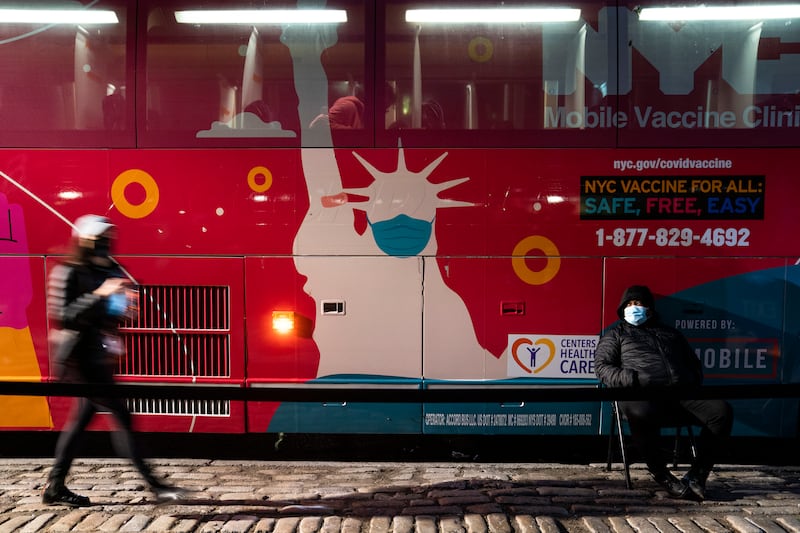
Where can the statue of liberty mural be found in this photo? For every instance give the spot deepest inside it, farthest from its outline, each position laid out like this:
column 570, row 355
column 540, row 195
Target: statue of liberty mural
column 387, row 277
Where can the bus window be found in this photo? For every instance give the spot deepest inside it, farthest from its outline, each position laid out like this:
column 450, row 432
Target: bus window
column 710, row 77
column 65, row 79
column 513, row 81
column 212, row 81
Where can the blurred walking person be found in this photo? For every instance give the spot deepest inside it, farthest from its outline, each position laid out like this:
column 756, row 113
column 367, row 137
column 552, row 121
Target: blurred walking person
column 89, row 296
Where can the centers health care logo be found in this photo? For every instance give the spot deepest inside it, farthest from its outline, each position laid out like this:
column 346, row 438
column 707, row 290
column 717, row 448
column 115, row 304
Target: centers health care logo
column 551, row 356
column 533, row 360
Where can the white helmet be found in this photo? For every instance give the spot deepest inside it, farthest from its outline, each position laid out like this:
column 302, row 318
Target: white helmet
column 91, row 227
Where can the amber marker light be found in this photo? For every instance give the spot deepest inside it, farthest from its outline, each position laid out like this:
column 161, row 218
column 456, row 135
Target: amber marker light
column 283, row 321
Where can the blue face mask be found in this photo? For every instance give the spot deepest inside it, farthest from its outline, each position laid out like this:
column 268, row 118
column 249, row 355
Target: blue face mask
column 402, row 235
column 635, row 315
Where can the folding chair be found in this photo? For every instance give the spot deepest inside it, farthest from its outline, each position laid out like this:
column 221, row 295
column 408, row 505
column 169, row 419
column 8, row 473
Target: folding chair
column 617, row 433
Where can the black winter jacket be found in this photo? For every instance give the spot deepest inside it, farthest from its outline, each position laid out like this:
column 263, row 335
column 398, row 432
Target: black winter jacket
column 73, row 306
column 651, row 354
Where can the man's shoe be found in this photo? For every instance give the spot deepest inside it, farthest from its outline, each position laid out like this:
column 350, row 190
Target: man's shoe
column 695, row 480
column 674, row 486
column 64, row 496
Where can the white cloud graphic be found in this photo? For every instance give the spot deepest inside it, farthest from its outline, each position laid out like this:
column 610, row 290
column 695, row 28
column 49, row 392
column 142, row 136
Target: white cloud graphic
column 245, row 125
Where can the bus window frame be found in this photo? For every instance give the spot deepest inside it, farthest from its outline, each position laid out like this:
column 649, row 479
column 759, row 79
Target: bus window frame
column 95, row 138
column 168, row 138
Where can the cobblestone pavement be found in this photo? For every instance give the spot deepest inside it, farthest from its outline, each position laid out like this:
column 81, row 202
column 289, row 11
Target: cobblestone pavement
column 377, row 497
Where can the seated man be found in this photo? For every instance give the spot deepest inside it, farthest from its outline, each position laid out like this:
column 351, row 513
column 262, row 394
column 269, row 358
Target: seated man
column 642, row 351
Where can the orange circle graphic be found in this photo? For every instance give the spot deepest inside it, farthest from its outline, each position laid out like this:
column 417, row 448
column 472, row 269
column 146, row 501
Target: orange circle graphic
column 521, row 268
column 259, row 171
column 151, row 195
column 480, row 49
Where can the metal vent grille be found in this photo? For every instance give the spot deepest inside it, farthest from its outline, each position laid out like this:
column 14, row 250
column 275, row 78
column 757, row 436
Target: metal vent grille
column 179, row 407
column 175, row 354
column 179, row 331
column 182, row 307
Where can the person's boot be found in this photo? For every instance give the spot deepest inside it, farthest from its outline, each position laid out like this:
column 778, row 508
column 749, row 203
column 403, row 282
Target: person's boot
column 161, row 490
column 674, row 486
column 695, row 480
column 56, row 493
column 165, row 493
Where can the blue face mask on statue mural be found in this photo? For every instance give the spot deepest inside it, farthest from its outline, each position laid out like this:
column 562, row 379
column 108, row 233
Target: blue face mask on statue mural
column 635, row 314
column 402, row 236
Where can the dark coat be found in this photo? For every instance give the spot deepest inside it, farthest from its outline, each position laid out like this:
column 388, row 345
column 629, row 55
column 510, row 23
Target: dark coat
column 650, row 354
column 76, row 310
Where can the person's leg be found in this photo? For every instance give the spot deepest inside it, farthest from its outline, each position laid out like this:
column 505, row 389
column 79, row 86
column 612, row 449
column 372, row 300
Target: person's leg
column 645, row 433
column 66, row 448
column 125, row 444
column 70, row 439
column 123, row 439
column 643, row 420
column 716, row 420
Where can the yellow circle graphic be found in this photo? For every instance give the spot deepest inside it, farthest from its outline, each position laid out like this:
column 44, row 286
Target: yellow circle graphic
column 480, row 49
column 256, row 172
column 122, row 204
column 521, row 268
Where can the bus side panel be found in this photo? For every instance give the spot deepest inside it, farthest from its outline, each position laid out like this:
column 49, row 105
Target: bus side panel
column 23, row 328
column 362, row 328
column 190, row 329
column 207, row 202
column 520, row 329
column 791, row 345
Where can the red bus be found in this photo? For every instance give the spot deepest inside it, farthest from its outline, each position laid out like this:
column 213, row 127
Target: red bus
column 407, row 194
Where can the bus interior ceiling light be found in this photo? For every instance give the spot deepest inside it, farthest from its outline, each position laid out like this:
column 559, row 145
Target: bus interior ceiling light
column 57, row 16
column 702, row 12
column 262, row 16
column 493, row 15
